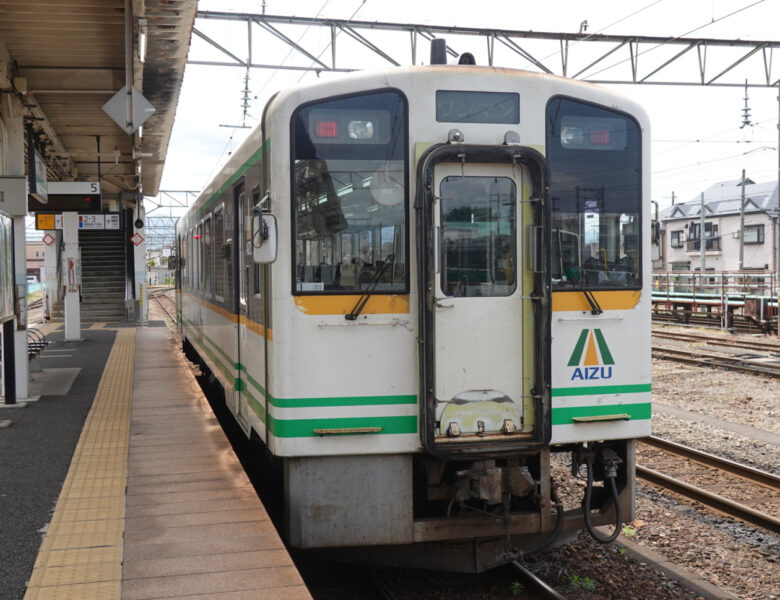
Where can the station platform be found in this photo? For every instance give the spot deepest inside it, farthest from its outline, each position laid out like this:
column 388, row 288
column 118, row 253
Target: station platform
column 154, row 503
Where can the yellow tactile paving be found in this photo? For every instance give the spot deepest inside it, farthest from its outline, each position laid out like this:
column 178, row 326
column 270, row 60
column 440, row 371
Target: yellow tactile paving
column 80, row 557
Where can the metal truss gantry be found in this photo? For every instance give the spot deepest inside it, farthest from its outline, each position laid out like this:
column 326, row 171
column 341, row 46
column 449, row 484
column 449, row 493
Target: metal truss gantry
column 664, row 60
column 162, row 212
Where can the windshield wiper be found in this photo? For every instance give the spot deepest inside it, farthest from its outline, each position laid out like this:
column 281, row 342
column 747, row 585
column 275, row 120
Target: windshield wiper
column 595, row 307
column 372, row 285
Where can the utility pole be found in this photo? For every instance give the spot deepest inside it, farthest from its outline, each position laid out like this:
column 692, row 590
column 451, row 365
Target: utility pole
column 742, row 225
column 702, row 241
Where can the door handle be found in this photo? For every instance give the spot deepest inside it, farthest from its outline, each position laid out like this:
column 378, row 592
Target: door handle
column 437, row 302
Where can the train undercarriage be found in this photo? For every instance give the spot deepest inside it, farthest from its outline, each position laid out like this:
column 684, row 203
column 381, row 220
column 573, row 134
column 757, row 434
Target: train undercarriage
column 458, row 515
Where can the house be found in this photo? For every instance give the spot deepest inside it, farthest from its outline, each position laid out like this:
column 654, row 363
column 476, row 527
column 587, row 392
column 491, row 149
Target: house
column 35, row 257
column 158, row 272
column 680, row 239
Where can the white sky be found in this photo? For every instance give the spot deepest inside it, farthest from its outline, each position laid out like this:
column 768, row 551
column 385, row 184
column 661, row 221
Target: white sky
column 695, row 131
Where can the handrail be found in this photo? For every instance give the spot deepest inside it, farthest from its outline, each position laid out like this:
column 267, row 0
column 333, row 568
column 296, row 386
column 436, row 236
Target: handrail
column 719, row 283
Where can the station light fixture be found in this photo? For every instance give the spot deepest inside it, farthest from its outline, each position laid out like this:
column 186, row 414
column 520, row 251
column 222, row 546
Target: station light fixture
column 142, row 39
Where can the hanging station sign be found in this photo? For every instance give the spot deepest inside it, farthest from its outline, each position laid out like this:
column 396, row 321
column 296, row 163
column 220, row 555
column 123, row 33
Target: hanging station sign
column 38, row 185
column 77, row 196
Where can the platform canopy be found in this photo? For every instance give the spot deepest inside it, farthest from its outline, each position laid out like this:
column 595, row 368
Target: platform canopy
column 67, row 58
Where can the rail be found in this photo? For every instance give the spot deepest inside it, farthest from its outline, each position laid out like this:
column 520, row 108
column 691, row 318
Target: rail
column 767, row 481
column 541, row 589
column 158, row 295
column 718, row 341
column 702, row 359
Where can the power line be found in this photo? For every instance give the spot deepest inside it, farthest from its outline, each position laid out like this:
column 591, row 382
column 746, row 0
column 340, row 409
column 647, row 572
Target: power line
column 328, row 45
column 602, row 30
column 680, row 36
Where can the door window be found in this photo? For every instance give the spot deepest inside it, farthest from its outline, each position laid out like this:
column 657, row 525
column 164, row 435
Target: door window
column 478, row 246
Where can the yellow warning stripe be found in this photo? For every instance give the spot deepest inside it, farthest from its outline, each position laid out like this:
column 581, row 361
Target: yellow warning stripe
column 613, row 300
column 378, row 304
column 81, row 555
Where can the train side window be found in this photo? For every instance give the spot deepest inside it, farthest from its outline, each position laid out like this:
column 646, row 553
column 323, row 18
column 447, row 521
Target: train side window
column 596, row 190
column 219, row 254
column 258, row 268
column 183, row 266
column 201, row 265
column 195, row 259
column 245, row 236
column 208, row 253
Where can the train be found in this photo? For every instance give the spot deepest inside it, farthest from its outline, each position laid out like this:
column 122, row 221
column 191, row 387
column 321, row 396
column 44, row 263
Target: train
column 421, row 289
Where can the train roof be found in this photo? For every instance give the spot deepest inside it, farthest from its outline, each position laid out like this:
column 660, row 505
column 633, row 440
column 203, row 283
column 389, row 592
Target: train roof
column 254, row 145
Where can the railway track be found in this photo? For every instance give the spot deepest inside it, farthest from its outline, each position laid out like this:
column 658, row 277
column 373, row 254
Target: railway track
column 711, row 340
column 705, row 478
column 534, row 585
column 164, row 302
column 703, row 359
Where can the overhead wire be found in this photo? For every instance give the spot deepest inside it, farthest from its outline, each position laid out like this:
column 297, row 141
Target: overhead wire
column 328, row 45
column 602, row 30
column 265, row 84
column 731, row 14
column 708, row 139
column 289, row 53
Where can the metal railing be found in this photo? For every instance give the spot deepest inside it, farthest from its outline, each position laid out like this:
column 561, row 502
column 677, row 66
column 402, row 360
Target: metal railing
column 715, row 283
column 693, row 245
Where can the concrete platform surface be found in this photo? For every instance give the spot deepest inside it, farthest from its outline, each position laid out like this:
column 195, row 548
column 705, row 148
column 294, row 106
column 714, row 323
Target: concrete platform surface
column 155, row 503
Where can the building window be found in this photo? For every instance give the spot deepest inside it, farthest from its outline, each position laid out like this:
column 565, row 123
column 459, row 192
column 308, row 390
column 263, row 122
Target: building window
column 711, row 237
column 677, row 239
column 754, row 234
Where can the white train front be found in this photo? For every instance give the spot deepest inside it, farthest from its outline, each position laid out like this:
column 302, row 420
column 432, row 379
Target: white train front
column 414, row 285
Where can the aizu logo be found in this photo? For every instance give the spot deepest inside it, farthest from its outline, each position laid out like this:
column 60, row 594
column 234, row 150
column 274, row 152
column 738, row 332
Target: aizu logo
column 591, row 357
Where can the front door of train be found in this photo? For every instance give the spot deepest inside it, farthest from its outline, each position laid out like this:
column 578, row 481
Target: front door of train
column 483, row 314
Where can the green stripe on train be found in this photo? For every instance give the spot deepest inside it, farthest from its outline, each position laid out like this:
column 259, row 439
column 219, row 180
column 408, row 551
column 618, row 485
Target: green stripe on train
column 241, row 385
column 635, row 412
column 298, row 428
column 251, row 161
column 601, row 389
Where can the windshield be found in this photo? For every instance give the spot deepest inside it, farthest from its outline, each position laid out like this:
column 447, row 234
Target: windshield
column 349, row 195
column 595, row 169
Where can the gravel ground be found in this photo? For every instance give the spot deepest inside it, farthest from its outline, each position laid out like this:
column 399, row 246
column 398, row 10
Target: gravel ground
column 735, row 397
column 739, row 559
column 725, row 552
